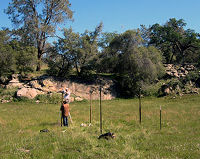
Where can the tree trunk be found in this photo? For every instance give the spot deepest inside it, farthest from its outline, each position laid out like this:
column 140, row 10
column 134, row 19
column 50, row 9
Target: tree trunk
column 39, row 59
column 77, row 70
column 171, row 58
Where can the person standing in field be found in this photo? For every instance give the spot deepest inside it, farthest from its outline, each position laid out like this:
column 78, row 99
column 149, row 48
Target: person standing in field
column 66, row 93
column 65, row 106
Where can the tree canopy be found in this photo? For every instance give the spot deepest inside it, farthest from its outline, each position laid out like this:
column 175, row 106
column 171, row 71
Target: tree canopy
column 37, row 20
column 134, row 58
column 174, row 41
column 134, row 63
column 75, row 51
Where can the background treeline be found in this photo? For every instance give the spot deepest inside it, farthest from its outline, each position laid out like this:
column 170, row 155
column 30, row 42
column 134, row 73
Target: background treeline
column 134, row 58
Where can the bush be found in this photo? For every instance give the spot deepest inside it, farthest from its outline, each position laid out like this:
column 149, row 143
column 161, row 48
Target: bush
column 58, row 68
column 49, row 98
column 22, row 99
column 152, row 89
column 26, row 60
column 7, row 61
column 193, row 76
column 8, row 94
column 175, row 86
column 127, row 86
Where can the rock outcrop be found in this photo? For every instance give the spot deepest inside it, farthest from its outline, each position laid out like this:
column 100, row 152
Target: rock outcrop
column 30, row 88
column 178, row 85
column 14, row 82
column 28, row 92
column 78, row 90
column 178, row 71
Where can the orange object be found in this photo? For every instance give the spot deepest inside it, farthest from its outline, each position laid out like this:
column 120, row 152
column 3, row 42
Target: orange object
column 66, row 109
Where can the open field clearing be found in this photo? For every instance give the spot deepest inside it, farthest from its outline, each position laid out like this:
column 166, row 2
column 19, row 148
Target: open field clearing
column 21, row 122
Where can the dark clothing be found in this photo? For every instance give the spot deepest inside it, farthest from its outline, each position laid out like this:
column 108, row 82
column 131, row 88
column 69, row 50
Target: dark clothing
column 65, row 121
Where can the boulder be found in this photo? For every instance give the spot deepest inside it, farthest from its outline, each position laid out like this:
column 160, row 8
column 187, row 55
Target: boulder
column 35, row 84
column 14, row 82
column 48, row 84
column 78, row 99
column 27, row 92
column 72, row 99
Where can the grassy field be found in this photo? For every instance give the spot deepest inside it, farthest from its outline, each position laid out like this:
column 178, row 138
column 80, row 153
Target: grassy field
column 20, row 125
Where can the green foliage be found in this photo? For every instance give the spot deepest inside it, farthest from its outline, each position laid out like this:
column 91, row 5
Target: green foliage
column 134, row 63
column 39, row 22
column 10, row 95
column 23, row 99
column 149, row 62
column 64, row 53
column 178, row 45
column 15, row 56
column 74, row 51
column 175, row 85
column 152, row 89
column 106, row 38
column 25, row 57
column 7, row 60
column 21, row 122
column 26, row 61
column 49, row 98
column 127, row 85
column 58, row 66
column 193, row 76
column 8, row 92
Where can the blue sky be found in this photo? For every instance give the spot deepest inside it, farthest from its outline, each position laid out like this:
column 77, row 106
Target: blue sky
column 121, row 15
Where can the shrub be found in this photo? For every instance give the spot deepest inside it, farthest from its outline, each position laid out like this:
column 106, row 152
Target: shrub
column 8, row 92
column 127, row 86
column 152, row 89
column 54, row 98
column 22, row 99
column 193, row 76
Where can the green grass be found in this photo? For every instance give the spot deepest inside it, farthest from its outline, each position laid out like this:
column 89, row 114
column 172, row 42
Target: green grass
column 21, row 122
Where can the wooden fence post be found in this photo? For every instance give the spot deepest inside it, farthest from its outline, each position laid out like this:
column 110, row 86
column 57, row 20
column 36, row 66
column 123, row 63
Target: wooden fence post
column 160, row 117
column 140, row 109
column 90, row 106
column 100, row 109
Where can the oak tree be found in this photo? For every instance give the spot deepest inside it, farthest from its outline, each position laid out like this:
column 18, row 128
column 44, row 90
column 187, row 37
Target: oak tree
column 74, row 51
column 38, row 20
column 177, row 44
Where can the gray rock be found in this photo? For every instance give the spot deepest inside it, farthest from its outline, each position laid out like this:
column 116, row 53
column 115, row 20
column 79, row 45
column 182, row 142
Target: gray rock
column 27, row 92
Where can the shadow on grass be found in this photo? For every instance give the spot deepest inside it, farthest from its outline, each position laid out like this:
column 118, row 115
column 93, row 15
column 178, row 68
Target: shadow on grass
column 49, row 124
